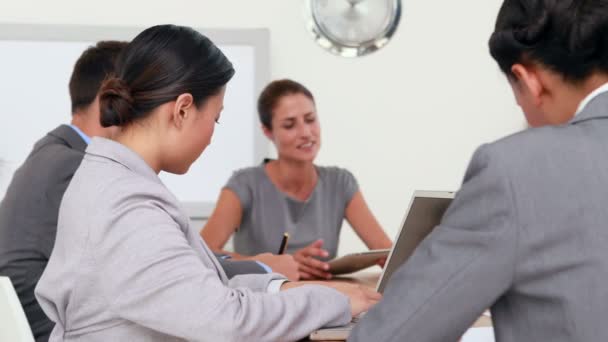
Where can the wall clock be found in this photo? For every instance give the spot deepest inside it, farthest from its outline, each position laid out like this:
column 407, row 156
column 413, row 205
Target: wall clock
column 352, row 28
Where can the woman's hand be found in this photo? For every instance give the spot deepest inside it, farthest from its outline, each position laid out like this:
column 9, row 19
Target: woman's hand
column 361, row 298
column 381, row 262
column 309, row 267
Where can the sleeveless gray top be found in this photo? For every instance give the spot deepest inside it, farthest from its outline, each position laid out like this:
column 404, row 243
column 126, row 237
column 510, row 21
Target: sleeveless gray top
column 268, row 212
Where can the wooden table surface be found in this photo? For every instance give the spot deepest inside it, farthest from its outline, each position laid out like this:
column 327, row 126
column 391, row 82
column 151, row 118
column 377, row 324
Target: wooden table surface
column 369, row 277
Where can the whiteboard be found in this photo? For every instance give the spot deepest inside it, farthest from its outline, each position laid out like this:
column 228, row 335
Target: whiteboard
column 35, row 66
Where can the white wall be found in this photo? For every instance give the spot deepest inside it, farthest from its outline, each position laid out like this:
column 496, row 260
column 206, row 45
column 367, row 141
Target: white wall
column 407, row 117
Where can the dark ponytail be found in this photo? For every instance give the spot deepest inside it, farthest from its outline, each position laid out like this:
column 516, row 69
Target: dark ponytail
column 160, row 64
column 569, row 37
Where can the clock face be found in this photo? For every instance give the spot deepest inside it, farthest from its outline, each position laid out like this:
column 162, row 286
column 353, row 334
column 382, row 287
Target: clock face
column 353, row 27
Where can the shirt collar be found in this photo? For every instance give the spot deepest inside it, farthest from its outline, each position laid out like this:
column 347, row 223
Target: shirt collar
column 84, row 137
column 590, row 97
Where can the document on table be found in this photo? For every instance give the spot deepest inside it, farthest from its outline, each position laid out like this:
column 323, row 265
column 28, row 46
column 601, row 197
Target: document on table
column 484, row 334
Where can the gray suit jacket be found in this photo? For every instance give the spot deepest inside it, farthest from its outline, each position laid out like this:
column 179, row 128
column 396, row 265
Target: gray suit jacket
column 526, row 235
column 28, row 217
column 28, row 220
column 127, row 267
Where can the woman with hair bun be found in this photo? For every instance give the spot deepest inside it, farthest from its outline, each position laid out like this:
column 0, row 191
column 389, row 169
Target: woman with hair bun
column 126, row 265
column 526, row 234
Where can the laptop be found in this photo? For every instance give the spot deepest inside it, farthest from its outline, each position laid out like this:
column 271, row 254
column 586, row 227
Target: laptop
column 424, row 213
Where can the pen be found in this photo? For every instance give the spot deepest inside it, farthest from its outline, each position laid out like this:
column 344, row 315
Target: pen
column 284, row 243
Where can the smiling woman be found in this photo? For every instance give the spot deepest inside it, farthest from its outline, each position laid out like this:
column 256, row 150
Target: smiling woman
column 291, row 194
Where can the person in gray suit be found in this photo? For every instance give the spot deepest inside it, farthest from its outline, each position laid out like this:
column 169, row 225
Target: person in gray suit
column 29, row 210
column 126, row 265
column 526, row 234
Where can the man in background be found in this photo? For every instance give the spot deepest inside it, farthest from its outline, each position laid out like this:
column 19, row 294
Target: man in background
column 29, row 210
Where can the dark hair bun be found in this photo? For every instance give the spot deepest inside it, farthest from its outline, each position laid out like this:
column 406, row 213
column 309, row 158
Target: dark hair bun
column 116, row 103
column 156, row 67
column 566, row 36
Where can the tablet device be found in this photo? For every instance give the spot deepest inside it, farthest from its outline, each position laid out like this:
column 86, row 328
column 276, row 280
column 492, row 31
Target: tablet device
column 357, row 261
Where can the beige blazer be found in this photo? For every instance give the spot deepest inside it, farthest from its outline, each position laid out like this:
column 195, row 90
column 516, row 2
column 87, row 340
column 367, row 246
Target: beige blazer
column 127, row 267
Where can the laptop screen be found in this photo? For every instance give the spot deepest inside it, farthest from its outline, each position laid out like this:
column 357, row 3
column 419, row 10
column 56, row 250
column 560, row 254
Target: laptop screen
column 425, row 212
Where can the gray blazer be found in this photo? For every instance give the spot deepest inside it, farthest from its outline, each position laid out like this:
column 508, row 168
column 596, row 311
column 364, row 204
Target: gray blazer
column 28, row 220
column 28, row 217
column 526, row 235
column 127, row 267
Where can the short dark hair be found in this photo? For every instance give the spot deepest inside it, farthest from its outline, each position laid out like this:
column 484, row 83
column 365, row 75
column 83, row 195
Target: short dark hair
column 569, row 37
column 91, row 68
column 274, row 91
column 160, row 64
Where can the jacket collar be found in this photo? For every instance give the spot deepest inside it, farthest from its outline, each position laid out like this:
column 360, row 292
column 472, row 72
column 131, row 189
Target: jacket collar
column 121, row 154
column 69, row 137
column 597, row 108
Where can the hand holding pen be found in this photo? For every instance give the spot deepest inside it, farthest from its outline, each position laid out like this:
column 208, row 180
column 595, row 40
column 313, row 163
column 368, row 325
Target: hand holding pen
column 283, row 243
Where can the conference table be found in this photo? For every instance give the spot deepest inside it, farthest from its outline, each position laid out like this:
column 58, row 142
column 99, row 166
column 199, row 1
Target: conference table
column 369, row 277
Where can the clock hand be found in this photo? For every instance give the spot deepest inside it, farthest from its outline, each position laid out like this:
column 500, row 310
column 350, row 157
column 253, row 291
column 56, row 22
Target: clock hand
column 354, row 3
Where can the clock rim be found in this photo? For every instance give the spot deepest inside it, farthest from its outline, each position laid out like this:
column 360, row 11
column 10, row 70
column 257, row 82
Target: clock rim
column 328, row 41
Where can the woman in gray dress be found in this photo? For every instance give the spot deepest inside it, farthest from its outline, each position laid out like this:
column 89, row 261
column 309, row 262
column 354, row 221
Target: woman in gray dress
column 291, row 194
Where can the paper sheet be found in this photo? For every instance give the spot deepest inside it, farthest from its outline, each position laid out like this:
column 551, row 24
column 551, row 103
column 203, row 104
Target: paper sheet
column 485, row 334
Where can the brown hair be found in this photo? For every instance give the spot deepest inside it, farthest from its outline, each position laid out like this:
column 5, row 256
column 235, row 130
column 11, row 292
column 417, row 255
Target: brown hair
column 274, row 91
column 92, row 67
